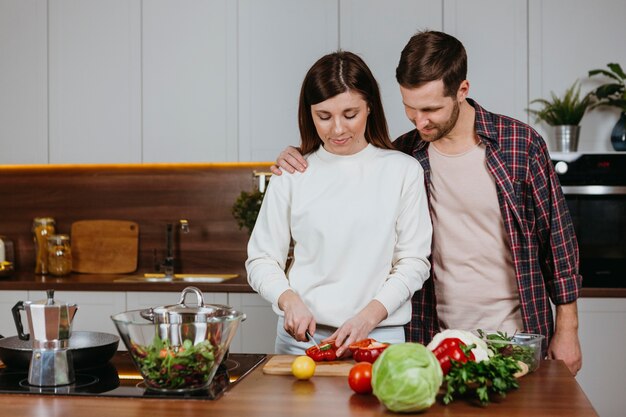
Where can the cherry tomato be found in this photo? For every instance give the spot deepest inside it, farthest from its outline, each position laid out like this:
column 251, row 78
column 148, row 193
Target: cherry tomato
column 360, row 378
column 303, row 367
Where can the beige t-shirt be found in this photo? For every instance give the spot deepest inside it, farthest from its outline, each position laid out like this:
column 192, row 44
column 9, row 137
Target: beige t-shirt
column 475, row 282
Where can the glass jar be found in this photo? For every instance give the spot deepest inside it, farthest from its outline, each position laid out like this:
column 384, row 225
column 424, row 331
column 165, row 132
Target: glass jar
column 59, row 255
column 43, row 227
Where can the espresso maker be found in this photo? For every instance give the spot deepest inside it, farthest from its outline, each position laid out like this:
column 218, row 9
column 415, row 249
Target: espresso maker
column 50, row 323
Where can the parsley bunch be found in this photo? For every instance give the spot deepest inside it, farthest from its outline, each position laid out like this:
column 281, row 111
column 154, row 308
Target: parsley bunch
column 492, row 376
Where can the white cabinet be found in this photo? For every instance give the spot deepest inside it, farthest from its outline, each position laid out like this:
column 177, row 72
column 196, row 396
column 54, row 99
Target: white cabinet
column 95, row 308
column 23, row 82
column 278, row 41
column 494, row 34
column 257, row 334
column 7, row 300
column 94, row 81
column 365, row 30
column 602, row 324
column 567, row 39
column 189, row 85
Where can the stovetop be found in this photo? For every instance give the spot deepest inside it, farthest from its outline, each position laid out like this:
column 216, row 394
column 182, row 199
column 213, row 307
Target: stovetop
column 120, row 378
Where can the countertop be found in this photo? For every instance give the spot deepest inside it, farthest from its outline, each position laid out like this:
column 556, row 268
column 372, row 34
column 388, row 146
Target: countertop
column 111, row 282
column 551, row 391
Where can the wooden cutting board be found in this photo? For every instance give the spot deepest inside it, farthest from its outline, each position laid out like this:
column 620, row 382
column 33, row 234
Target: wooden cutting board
column 104, row 246
column 281, row 365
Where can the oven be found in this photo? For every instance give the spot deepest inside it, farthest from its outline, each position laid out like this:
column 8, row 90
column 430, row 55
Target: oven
column 595, row 189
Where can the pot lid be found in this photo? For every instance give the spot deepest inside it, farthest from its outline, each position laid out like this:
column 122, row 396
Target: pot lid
column 183, row 313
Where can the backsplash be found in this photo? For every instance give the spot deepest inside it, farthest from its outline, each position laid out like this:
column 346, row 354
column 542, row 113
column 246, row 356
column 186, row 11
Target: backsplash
column 152, row 195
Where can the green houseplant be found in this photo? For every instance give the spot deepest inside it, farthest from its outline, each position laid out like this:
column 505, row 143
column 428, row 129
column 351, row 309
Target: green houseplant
column 613, row 94
column 246, row 209
column 564, row 114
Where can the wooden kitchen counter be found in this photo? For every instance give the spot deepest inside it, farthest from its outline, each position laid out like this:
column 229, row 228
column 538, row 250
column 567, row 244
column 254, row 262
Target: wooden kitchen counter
column 549, row 392
column 118, row 282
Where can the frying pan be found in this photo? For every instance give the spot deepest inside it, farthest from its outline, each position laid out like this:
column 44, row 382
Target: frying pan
column 89, row 349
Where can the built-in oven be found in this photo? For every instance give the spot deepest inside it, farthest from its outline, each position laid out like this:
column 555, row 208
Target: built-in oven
column 595, row 189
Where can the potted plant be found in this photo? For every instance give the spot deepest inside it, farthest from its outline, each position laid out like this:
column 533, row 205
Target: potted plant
column 613, row 94
column 564, row 114
column 246, row 209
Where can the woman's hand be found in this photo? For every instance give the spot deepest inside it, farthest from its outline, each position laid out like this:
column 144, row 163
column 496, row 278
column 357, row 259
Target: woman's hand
column 290, row 160
column 298, row 317
column 358, row 327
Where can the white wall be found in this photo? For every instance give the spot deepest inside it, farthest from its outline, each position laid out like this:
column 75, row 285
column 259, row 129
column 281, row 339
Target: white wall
column 218, row 80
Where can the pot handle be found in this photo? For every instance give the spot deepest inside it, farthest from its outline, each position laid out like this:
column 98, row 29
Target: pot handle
column 17, row 318
column 187, row 290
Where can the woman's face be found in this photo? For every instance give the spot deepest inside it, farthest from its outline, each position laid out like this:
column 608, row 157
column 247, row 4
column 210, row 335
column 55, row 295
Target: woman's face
column 340, row 122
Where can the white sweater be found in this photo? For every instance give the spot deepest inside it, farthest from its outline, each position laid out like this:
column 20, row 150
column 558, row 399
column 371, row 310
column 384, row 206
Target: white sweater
column 361, row 228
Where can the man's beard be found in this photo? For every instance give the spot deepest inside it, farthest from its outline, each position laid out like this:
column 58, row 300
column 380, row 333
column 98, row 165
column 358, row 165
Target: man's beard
column 442, row 130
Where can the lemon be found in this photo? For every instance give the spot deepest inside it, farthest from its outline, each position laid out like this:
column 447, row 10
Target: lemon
column 303, row 367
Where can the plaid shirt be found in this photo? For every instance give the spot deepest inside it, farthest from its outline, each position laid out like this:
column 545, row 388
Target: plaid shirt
column 536, row 218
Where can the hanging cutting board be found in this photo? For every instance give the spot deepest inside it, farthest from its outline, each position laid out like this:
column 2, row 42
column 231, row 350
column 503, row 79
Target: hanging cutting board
column 281, row 365
column 104, row 246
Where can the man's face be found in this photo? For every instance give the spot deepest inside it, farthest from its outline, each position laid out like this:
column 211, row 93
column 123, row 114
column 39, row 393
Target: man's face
column 433, row 114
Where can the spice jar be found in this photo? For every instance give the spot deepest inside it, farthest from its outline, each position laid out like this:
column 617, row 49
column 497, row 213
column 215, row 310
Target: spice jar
column 59, row 255
column 43, row 227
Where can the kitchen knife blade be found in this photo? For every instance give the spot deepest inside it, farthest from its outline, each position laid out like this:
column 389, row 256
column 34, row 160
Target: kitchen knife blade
column 311, row 339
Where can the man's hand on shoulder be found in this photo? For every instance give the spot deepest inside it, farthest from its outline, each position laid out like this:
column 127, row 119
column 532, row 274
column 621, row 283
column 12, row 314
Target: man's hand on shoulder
column 289, row 160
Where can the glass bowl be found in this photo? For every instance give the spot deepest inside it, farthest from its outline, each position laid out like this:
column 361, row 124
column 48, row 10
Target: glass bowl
column 525, row 347
column 178, row 357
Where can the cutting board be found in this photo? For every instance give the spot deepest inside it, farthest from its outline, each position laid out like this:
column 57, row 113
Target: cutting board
column 281, row 365
column 104, row 246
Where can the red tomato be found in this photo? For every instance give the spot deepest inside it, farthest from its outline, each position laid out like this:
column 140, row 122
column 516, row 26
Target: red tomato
column 360, row 378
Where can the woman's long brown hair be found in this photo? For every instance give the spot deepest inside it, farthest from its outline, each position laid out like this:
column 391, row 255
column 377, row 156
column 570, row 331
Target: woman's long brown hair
column 334, row 74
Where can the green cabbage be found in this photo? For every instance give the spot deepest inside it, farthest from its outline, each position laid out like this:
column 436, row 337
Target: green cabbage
column 406, row 377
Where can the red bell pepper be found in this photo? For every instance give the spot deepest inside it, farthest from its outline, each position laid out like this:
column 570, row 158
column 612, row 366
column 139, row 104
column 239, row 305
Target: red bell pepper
column 326, row 352
column 367, row 350
column 450, row 349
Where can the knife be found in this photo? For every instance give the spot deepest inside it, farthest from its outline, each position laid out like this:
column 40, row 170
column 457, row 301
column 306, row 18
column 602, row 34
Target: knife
column 311, row 339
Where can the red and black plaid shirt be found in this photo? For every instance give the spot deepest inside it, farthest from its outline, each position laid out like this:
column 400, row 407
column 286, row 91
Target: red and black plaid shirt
column 536, row 217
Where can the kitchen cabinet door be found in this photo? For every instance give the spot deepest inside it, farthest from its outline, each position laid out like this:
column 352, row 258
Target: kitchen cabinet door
column 94, row 81
column 256, row 334
column 7, row 301
column 279, row 40
column 567, row 39
column 603, row 376
column 365, row 30
column 189, row 72
column 23, row 82
column 494, row 34
column 95, row 308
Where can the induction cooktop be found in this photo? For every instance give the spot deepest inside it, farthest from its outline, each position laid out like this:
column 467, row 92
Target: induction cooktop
column 120, row 378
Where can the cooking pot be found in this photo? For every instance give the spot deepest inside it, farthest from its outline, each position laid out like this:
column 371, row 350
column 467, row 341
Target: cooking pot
column 89, row 349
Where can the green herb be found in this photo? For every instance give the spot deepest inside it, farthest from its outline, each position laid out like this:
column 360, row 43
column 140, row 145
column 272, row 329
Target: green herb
column 174, row 367
column 493, row 376
column 505, row 345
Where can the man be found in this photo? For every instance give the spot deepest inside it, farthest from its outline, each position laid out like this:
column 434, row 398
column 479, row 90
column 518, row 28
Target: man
column 503, row 241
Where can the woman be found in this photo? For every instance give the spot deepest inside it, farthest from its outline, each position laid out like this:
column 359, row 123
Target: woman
column 358, row 217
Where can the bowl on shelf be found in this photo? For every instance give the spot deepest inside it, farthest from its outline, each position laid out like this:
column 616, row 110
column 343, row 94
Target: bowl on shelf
column 525, row 347
column 178, row 348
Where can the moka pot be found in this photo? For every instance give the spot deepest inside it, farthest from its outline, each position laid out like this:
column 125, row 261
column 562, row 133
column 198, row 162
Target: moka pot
column 50, row 324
